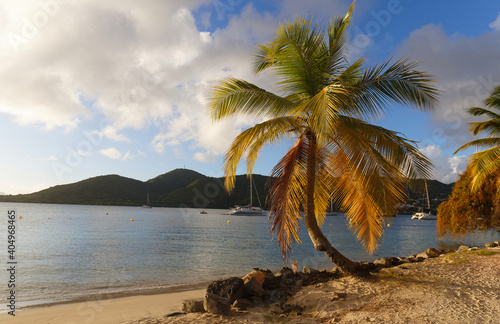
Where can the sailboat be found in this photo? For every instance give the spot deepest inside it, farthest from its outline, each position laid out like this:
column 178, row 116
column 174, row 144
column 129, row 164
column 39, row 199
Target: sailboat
column 148, row 203
column 426, row 213
column 331, row 212
column 248, row 210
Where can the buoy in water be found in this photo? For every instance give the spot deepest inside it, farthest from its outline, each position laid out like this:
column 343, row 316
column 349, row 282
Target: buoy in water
column 228, row 221
column 388, row 225
column 131, row 219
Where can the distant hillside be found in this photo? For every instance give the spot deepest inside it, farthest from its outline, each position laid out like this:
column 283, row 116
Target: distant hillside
column 110, row 190
column 438, row 192
column 210, row 193
column 173, row 180
column 184, row 188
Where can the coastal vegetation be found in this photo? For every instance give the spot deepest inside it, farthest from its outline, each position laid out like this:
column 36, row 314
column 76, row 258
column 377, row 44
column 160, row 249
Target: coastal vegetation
column 183, row 188
column 177, row 188
column 325, row 106
column 475, row 201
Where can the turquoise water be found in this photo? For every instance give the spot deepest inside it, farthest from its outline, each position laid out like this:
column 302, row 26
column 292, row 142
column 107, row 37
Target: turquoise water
column 71, row 252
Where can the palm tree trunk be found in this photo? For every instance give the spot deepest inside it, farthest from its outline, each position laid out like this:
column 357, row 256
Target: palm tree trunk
column 320, row 242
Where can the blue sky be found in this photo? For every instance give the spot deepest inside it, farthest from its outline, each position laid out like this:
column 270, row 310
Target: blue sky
column 119, row 87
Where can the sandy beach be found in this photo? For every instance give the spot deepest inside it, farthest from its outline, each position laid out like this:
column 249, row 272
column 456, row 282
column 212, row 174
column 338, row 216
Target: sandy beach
column 110, row 311
column 454, row 288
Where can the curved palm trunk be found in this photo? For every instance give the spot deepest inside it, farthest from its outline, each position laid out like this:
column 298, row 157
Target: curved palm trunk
column 320, row 242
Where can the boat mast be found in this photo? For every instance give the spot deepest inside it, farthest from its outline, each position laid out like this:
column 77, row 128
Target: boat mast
column 251, row 191
column 428, row 200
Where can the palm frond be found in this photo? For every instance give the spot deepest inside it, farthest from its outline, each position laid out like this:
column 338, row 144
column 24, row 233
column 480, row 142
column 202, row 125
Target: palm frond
column 481, row 142
column 368, row 167
column 479, row 111
column 363, row 212
column 398, row 83
column 493, row 100
column 484, row 163
column 322, row 190
column 287, row 195
column 384, row 144
column 270, row 131
column 251, row 141
column 337, row 41
column 234, row 96
column 293, row 56
column 490, row 127
column 320, row 112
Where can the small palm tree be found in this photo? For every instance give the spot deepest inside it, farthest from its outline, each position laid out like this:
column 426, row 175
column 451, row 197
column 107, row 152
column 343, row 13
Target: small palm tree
column 324, row 105
column 485, row 162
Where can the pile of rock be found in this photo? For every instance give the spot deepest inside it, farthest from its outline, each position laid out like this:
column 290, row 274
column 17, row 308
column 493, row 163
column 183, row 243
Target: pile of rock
column 261, row 287
column 257, row 288
column 492, row 244
column 427, row 254
column 392, row 261
column 488, row 245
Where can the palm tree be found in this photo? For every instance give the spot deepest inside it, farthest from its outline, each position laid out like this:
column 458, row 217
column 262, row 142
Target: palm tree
column 485, row 162
column 324, row 106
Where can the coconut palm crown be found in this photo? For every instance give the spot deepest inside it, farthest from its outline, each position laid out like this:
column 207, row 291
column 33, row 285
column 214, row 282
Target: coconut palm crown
column 485, row 162
column 324, row 106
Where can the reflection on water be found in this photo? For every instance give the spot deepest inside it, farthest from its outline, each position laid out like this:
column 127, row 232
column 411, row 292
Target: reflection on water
column 69, row 252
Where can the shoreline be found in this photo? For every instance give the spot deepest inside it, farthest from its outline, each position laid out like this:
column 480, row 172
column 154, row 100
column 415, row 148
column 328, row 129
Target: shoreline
column 111, row 310
column 153, row 308
column 116, row 295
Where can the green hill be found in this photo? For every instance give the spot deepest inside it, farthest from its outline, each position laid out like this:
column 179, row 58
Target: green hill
column 173, row 180
column 183, row 188
column 110, row 190
column 210, row 193
column 102, row 190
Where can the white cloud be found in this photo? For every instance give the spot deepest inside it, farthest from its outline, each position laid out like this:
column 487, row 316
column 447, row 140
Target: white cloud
column 465, row 69
column 137, row 65
column 127, row 156
column 446, row 168
column 50, row 158
column 496, row 23
column 84, row 153
column 111, row 133
column 115, row 154
column 204, row 157
column 111, row 153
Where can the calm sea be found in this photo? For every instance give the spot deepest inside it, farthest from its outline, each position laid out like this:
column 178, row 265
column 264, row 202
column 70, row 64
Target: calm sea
column 70, row 253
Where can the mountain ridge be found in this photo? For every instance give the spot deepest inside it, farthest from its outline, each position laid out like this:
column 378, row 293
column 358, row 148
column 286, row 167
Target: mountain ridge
column 180, row 188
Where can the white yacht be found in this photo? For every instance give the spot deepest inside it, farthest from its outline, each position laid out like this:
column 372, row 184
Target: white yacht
column 247, row 210
column 428, row 216
column 426, row 213
column 148, row 203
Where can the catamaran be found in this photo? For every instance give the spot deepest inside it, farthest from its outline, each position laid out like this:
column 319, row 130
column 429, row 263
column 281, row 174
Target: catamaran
column 148, row 204
column 425, row 214
column 248, row 210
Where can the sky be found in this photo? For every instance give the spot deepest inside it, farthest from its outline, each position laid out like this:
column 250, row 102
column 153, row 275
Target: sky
column 92, row 87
